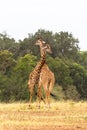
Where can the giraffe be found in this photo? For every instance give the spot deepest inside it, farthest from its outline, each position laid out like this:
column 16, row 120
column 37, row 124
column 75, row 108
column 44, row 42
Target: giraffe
column 34, row 75
column 46, row 80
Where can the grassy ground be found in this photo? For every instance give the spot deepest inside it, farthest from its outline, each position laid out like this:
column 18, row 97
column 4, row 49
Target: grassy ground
column 61, row 116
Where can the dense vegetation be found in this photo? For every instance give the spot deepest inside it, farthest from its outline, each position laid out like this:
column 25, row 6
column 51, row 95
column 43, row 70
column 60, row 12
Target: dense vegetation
column 17, row 60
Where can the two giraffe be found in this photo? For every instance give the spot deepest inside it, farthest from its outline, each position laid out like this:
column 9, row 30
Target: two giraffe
column 41, row 74
column 46, row 79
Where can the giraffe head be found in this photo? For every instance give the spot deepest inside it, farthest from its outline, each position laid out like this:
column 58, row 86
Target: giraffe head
column 45, row 49
column 43, row 46
column 40, row 42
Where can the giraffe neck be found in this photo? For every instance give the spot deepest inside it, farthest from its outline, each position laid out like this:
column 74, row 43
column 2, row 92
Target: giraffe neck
column 40, row 63
column 34, row 76
column 43, row 57
column 42, row 52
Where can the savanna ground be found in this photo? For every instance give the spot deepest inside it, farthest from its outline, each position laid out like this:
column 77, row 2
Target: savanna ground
column 61, row 116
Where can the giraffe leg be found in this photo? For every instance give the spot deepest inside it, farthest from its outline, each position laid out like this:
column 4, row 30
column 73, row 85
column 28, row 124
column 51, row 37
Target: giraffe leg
column 46, row 93
column 42, row 98
column 48, row 98
column 39, row 96
column 31, row 95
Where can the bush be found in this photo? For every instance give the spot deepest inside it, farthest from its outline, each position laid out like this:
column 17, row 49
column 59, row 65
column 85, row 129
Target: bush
column 58, row 92
column 72, row 93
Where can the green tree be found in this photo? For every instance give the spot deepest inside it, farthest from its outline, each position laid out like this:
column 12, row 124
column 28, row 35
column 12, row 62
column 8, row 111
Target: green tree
column 27, row 46
column 7, row 61
column 65, row 45
column 25, row 65
column 79, row 76
column 83, row 58
column 7, row 43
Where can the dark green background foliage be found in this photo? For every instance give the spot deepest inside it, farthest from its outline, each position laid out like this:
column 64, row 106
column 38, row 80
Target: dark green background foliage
column 18, row 59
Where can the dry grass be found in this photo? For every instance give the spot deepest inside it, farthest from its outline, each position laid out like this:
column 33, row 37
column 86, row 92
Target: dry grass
column 61, row 116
